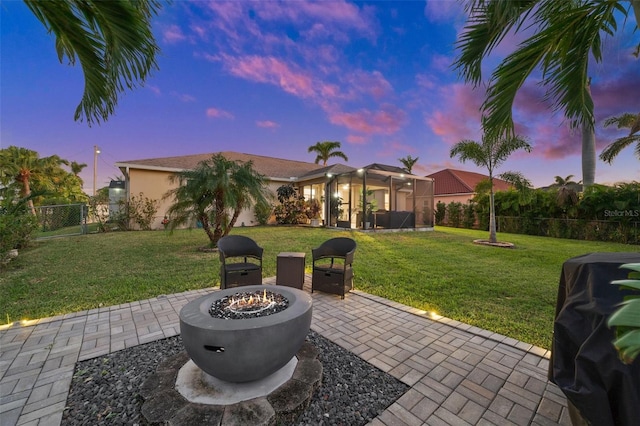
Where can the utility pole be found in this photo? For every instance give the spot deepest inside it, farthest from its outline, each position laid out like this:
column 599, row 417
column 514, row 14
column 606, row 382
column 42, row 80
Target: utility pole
column 96, row 151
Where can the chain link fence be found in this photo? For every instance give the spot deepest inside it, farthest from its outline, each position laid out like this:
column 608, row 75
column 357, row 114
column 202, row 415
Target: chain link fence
column 61, row 220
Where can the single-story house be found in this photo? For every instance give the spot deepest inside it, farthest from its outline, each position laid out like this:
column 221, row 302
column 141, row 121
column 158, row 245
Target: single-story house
column 452, row 185
column 401, row 200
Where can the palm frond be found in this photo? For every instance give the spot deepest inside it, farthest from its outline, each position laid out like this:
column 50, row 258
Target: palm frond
column 612, row 150
column 113, row 42
column 489, row 22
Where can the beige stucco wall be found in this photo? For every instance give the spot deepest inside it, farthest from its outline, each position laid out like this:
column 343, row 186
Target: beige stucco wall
column 155, row 184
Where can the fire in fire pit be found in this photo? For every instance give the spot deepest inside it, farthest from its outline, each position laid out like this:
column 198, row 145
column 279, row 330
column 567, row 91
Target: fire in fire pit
column 248, row 305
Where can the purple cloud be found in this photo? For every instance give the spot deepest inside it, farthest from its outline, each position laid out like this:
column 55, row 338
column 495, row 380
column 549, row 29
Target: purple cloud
column 386, row 121
column 218, row 113
column 267, row 124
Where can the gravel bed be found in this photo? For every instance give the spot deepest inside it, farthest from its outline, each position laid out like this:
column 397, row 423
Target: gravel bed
column 104, row 390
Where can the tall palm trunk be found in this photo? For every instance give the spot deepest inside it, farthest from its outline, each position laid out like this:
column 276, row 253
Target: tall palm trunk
column 493, row 238
column 588, row 149
column 26, row 190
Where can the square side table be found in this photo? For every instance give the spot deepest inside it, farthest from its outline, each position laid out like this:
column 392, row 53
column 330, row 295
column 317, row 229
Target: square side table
column 290, row 269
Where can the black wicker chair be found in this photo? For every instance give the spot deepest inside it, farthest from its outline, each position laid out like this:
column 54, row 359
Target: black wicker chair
column 332, row 266
column 246, row 265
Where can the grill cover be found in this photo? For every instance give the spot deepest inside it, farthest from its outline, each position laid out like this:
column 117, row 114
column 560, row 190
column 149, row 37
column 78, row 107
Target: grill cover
column 584, row 362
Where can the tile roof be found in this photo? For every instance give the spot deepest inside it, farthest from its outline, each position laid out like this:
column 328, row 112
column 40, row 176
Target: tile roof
column 450, row 181
column 273, row 168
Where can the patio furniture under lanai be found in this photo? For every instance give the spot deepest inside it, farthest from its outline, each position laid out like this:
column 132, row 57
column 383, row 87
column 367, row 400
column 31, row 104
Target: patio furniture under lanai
column 333, row 266
column 246, row 265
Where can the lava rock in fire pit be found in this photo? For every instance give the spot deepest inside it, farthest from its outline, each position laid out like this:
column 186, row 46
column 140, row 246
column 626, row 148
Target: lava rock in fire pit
column 248, row 305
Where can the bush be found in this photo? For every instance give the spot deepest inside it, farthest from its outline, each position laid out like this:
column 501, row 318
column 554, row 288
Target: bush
column 454, row 214
column 468, row 215
column 262, row 212
column 139, row 210
column 441, row 212
column 17, row 224
column 292, row 209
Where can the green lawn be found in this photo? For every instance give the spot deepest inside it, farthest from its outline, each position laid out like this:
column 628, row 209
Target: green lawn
column 509, row 291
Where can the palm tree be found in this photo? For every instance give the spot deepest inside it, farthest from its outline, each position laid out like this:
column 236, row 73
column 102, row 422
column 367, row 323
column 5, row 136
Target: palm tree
column 326, row 150
column 214, row 193
column 408, row 162
column 624, row 121
column 76, row 168
column 567, row 196
column 113, row 42
column 23, row 166
column 567, row 34
column 490, row 154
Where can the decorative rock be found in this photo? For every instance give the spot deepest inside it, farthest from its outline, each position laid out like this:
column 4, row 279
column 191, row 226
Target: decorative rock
column 158, row 381
column 174, row 362
column 290, row 400
column 309, row 371
column 307, row 350
column 256, row 412
column 198, row 414
column 162, row 406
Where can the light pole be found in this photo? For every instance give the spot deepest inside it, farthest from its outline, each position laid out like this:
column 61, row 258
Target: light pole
column 96, row 151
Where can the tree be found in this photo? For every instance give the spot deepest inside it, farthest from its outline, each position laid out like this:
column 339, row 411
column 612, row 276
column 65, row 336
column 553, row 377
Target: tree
column 76, row 168
column 624, row 121
column 113, row 42
column 567, row 195
column 408, row 162
column 566, row 34
column 490, row 153
column 214, row 194
column 327, row 150
column 22, row 166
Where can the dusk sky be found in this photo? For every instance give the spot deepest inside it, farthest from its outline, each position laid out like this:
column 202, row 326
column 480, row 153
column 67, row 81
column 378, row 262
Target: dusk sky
column 273, row 78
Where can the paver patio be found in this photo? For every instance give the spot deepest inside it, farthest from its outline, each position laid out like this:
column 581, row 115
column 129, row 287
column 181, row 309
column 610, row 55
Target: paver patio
column 459, row 374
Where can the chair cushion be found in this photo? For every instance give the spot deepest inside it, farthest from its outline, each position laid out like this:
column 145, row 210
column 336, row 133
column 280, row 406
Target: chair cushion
column 328, row 268
column 242, row 266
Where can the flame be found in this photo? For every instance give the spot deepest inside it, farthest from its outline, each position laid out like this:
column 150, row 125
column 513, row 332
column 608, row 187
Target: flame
column 252, row 301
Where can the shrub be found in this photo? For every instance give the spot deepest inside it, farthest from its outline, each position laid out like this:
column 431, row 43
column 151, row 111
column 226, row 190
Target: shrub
column 292, row 209
column 441, row 212
column 468, row 215
column 262, row 212
column 454, row 214
column 17, row 224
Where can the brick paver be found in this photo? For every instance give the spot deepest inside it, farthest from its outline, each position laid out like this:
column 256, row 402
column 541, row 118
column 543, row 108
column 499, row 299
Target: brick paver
column 458, row 374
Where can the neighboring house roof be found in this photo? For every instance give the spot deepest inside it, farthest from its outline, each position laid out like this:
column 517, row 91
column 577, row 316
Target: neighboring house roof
column 273, row 168
column 450, row 181
column 334, row 169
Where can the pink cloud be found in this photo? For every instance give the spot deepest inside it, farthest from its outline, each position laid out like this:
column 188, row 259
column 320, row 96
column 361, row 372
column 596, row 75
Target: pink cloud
column 271, row 70
column 371, row 83
column 443, row 11
column 183, row 97
column 218, row 113
column 336, row 14
column 386, row 121
column 268, row 124
column 458, row 116
column 425, row 81
column 395, row 149
column 173, row 34
column 154, row 89
column 356, row 139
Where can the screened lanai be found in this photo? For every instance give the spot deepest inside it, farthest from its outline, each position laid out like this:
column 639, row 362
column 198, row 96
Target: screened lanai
column 374, row 197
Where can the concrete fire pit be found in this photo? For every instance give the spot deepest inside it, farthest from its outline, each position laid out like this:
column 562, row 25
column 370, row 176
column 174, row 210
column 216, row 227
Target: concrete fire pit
column 247, row 349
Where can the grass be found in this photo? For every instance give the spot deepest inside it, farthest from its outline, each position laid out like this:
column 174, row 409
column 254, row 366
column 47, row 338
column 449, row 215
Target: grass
column 508, row 291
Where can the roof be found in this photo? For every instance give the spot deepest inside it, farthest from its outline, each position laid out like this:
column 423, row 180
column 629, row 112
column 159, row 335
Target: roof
column 273, row 168
column 450, row 181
